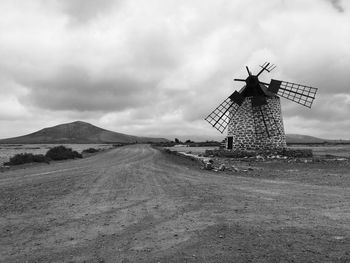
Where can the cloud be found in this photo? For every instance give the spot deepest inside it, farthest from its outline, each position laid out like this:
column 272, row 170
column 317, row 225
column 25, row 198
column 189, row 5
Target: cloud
column 74, row 89
column 83, row 11
column 162, row 67
column 337, row 5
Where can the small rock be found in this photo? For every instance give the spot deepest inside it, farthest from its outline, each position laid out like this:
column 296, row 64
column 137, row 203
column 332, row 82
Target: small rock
column 222, row 167
column 234, row 168
column 208, row 166
column 259, row 157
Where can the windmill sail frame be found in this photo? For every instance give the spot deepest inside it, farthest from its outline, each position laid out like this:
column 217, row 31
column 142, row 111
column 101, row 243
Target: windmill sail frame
column 220, row 117
column 301, row 94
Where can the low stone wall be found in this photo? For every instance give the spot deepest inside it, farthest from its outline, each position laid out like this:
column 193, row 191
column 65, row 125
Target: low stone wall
column 294, row 153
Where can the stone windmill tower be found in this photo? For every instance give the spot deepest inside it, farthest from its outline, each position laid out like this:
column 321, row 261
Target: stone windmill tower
column 253, row 114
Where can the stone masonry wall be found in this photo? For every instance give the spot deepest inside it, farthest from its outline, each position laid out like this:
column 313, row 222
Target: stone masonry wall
column 248, row 130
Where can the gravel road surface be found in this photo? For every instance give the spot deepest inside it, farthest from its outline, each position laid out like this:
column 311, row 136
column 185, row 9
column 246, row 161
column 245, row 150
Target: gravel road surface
column 138, row 204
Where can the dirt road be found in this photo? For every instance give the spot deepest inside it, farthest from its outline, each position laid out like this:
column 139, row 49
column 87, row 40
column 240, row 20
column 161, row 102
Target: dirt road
column 137, row 204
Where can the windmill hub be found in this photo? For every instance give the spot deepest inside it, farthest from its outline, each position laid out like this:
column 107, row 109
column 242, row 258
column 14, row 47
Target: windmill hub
column 253, row 115
column 252, row 81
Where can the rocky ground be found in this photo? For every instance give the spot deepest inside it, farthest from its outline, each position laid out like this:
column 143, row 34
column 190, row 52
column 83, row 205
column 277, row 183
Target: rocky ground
column 139, row 204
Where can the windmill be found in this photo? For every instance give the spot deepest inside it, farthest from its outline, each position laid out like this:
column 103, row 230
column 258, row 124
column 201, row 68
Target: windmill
column 253, row 114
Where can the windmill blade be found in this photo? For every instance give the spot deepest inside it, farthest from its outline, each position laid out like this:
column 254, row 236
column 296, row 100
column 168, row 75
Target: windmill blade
column 220, row 117
column 266, row 66
column 301, row 94
column 249, row 73
column 264, row 122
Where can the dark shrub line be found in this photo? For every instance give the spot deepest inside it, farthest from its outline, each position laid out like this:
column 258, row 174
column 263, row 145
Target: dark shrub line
column 54, row 154
column 23, row 158
column 62, row 153
column 90, row 150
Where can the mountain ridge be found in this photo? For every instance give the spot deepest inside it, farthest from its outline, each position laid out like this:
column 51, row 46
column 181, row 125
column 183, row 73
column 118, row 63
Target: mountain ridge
column 307, row 139
column 86, row 133
column 78, row 132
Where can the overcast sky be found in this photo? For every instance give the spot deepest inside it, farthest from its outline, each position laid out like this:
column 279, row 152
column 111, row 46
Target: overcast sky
column 159, row 67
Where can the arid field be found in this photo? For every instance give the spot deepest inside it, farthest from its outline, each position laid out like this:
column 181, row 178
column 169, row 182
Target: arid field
column 9, row 150
column 139, row 204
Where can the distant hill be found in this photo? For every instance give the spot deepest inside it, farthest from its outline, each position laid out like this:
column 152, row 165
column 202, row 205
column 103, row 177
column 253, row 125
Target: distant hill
column 298, row 138
column 78, row 132
column 303, row 139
